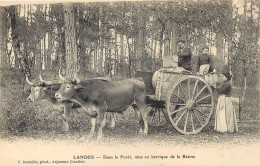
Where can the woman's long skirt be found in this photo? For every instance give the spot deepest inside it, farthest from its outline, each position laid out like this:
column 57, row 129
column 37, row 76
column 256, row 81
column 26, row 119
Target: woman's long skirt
column 225, row 120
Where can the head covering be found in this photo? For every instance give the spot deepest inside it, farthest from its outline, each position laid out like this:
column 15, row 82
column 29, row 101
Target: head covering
column 226, row 73
column 205, row 47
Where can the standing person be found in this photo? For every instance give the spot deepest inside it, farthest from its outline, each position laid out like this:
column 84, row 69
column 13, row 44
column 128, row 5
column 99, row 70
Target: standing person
column 225, row 119
column 205, row 62
column 184, row 55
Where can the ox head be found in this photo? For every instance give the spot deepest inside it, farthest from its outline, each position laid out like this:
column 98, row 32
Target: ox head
column 68, row 88
column 40, row 90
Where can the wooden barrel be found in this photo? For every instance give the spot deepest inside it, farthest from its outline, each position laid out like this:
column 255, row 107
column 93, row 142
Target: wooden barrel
column 163, row 80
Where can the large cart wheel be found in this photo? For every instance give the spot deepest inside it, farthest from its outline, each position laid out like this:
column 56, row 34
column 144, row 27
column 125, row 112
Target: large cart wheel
column 190, row 104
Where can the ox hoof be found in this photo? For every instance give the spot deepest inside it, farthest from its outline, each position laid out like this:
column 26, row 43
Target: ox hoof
column 66, row 128
column 90, row 136
column 112, row 126
column 99, row 138
column 140, row 131
column 143, row 133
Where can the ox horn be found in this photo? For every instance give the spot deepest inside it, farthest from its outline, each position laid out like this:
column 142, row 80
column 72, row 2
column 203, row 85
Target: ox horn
column 75, row 76
column 28, row 81
column 40, row 76
column 60, row 75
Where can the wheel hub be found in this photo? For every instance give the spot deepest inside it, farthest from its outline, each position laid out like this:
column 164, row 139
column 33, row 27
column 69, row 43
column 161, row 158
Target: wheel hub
column 190, row 104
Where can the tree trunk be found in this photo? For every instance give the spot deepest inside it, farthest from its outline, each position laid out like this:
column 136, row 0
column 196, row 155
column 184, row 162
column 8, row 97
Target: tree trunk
column 243, row 40
column 82, row 46
column 49, row 52
column 70, row 40
column 116, row 55
column 230, row 53
column 174, row 39
column 219, row 46
column 121, row 52
column 130, row 67
column 38, row 54
column 161, row 42
column 16, row 43
column 140, row 43
column 152, row 56
column 167, row 35
column 3, row 38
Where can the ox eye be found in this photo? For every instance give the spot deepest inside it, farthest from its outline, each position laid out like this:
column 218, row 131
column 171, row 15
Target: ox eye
column 67, row 86
column 36, row 89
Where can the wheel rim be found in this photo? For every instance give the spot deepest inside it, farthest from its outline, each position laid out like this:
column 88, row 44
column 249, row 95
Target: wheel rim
column 190, row 104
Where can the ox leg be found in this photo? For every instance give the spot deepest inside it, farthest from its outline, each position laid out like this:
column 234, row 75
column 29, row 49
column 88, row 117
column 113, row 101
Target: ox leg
column 113, row 121
column 140, row 101
column 138, row 114
column 67, row 109
column 100, row 124
column 144, row 113
column 104, row 120
column 93, row 125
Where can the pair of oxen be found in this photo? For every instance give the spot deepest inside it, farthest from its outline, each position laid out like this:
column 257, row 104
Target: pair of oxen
column 95, row 97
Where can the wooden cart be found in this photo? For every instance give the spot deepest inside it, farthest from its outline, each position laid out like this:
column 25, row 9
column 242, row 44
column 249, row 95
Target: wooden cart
column 178, row 97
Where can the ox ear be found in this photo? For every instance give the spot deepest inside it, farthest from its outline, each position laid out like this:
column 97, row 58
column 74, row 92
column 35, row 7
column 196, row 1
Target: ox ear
column 45, row 88
column 78, row 86
column 74, row 81
column 224, row 78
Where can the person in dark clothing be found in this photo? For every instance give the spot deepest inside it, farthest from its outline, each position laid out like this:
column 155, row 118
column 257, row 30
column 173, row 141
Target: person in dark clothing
column 205, row 62
column 225, row 87
column 184, row 55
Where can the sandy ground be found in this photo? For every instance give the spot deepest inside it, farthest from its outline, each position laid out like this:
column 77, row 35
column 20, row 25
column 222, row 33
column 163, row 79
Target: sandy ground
column 207, row 148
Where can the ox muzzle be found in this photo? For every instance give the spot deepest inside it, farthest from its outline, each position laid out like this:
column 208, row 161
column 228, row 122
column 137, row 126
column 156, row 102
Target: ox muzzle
column 30, row 99
column 58, row 96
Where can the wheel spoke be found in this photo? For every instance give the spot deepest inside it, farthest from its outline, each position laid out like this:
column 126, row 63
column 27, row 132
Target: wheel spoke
column 201, row 112
column 151, row 110
column 180, row 118
column 203, row 98
column 178, row 110
column 199, row 92
column 155, row 110
column 179, row 97
column 159, row 112
column 165, row 115
column 182, row 90
column 193, row 128
column 205, row 105
column 186, row 121
column 189, row 87
column 198, row 119
column 178, row 104
column 195, row 86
